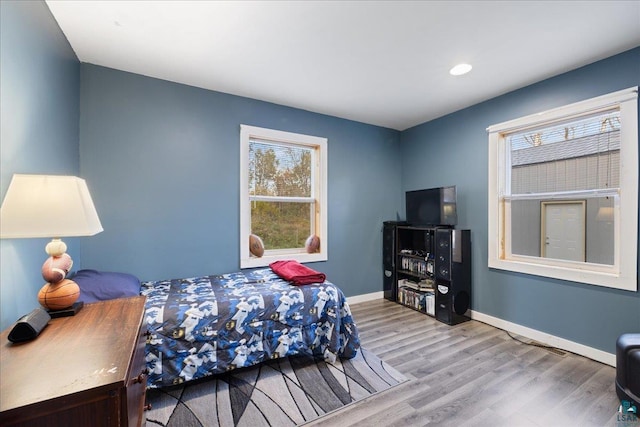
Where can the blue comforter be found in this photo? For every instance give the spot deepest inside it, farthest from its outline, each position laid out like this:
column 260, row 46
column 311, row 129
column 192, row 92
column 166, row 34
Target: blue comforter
column 207, row 325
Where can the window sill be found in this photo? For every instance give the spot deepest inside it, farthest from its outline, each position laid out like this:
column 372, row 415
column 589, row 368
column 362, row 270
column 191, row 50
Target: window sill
column 606, row 278
column 265, row 260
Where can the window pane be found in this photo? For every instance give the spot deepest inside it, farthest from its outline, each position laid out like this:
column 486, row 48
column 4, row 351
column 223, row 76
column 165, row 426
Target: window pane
column 580, row 155
column 597, row 229
column 279, row 170
column 281, row 225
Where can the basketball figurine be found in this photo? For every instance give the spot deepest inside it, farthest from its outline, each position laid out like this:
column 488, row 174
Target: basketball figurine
column 58, row 296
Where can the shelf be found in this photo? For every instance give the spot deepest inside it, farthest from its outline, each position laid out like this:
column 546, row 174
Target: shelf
column 416, row 309
column 418, row 257
column 414, row 274
column 445, row 259
column 416, row 288
column 422, row 301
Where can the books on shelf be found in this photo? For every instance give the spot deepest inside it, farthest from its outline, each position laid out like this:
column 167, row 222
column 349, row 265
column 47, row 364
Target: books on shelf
column 417, row 266
column 418, row 296
column 422, row 285
column 431, row 303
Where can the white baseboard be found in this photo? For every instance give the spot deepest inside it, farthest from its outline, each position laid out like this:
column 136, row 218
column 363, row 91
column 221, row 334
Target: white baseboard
column 547, row 339
column 365, row 297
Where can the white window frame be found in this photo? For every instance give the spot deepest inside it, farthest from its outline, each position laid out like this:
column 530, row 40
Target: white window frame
column 319, row 182
column 621, row 275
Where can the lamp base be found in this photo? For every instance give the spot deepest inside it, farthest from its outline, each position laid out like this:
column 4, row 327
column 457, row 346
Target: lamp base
column 69, row 311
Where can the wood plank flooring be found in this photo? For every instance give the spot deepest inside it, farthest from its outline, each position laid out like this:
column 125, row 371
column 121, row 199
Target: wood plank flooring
column 473, row 374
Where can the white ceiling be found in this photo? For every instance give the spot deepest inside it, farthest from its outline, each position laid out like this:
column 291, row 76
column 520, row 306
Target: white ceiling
column 380, row 62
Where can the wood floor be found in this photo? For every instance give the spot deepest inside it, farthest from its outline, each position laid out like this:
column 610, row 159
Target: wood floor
column 473, row 374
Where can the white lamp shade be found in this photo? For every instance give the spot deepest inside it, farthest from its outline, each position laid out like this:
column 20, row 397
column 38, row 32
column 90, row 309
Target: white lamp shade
column 48, row 206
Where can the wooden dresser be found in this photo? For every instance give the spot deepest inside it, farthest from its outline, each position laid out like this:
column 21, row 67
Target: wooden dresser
column 84, row 370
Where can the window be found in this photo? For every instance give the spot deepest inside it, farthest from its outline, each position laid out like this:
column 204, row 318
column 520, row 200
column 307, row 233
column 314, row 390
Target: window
column 563, row 192
column 283, row 195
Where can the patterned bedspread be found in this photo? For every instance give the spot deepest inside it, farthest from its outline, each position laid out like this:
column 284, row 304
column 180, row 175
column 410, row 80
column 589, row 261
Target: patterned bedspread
column 207, row 325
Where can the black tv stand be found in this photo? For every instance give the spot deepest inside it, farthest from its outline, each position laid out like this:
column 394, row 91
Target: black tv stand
column 428, row 269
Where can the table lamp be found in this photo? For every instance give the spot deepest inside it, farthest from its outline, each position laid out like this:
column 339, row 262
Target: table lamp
column 51, row 206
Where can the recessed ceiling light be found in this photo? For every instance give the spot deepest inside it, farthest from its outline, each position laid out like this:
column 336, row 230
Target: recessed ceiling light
column 460, row 69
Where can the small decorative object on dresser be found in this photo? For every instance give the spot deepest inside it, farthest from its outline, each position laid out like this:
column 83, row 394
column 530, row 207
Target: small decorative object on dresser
column 85, row 370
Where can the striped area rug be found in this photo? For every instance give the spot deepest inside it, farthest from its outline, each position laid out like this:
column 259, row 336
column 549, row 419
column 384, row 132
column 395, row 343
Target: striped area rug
column 285, row 392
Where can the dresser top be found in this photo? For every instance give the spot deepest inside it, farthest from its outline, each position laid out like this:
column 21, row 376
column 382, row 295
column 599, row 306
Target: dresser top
column 91, row 350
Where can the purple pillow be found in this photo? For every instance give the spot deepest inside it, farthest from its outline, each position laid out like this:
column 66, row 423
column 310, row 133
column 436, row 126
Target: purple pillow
column 99, row 285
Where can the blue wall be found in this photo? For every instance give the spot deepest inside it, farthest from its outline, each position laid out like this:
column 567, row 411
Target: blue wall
column 39, row 99
column 163, row 163
column 454, row 150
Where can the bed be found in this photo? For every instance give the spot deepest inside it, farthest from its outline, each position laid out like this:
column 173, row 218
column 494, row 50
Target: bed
column 202, row 326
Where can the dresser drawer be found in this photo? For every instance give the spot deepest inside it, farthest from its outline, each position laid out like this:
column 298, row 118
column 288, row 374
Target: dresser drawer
column 137, row 384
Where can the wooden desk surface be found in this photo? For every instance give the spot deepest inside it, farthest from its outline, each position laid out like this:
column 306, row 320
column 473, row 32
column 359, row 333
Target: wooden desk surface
column 89, row 351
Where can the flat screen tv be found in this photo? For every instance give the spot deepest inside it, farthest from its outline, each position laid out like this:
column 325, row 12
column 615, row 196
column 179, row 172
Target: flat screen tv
column 432, row 206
